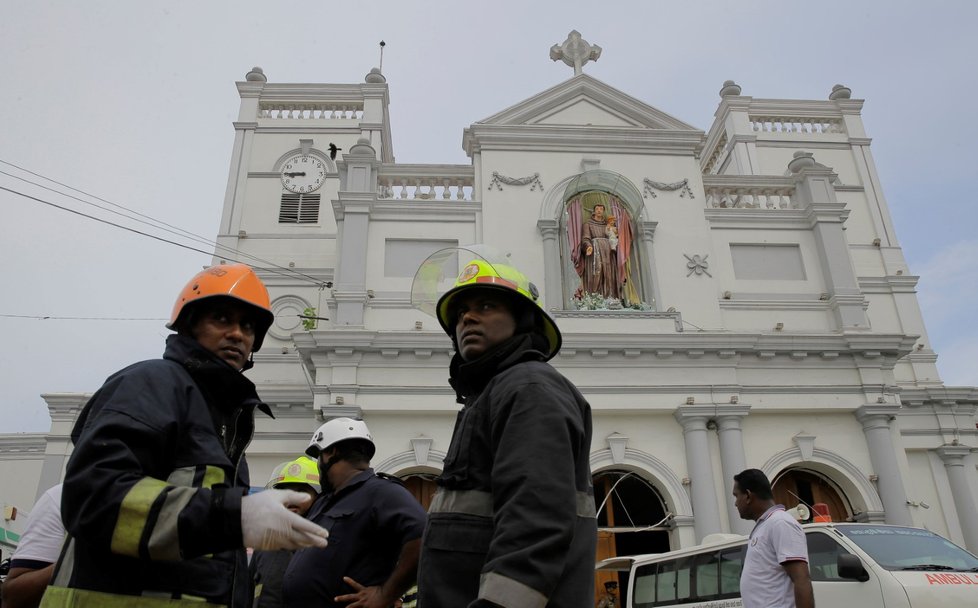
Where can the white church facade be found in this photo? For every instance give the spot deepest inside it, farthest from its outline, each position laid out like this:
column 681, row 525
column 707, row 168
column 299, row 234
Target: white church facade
column 760, row 312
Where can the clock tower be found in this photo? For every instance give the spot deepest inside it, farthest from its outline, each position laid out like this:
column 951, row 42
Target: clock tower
column 284, row 179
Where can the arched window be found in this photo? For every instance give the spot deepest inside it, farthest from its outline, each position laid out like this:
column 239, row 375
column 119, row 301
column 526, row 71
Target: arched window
column 796, row 485
column 631, row 520
column 601, row 250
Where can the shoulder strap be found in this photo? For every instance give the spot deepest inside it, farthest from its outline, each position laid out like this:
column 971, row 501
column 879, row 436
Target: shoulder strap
column 390, row 478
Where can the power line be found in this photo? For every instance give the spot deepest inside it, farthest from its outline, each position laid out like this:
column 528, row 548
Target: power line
column 104, row 221
column 155, row 222
column 54, row 318
column 146, row 234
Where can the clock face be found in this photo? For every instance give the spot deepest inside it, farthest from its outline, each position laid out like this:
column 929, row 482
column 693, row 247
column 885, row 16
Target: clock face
column 303, row 173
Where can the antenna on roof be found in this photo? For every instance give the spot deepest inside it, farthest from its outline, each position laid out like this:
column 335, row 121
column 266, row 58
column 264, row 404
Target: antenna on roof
column 382, row 45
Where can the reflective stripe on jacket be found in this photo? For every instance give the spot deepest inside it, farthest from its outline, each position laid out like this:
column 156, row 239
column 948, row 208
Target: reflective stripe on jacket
column 153, row 489
column 513, row 522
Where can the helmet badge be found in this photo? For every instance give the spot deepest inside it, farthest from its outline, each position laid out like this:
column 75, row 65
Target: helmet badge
column 468, row 272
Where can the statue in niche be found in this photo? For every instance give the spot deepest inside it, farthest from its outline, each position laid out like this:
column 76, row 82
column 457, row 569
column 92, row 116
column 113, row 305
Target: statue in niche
column 601, row 251
column 600, row 272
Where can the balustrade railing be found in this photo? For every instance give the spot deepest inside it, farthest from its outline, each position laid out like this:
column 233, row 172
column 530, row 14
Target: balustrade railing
column 795, row 124
column 310, row 111
column 443, row 183
column 774, row 195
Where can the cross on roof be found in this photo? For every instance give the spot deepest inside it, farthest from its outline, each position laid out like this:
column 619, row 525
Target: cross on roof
column 575, row 51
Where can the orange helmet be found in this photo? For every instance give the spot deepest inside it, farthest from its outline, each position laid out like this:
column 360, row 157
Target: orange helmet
column 236, row 281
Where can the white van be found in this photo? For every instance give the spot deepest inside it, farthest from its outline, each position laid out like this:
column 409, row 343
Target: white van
column 860, row 565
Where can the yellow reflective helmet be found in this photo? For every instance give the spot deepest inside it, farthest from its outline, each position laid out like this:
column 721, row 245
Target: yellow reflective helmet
column 485, row 268
column 301, row 470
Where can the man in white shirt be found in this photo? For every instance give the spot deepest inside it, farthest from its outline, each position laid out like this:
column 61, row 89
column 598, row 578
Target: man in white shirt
column 775, row 573
column 33, row 562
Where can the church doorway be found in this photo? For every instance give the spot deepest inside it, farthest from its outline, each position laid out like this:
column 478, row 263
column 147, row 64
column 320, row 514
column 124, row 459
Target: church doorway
column 631, row 514
column 794, row 486
column 422, row 486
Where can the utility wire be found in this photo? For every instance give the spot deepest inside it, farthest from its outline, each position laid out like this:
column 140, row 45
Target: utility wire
column 146, row 234
column 158, row 223
column 155, row 223
column 104, row 221
column 54, row 318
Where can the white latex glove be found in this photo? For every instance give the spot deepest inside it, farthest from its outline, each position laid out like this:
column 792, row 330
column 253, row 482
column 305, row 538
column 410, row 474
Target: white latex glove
column 266, row 523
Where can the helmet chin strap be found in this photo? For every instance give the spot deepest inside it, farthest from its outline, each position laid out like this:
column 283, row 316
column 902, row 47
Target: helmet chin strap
column 324, row 482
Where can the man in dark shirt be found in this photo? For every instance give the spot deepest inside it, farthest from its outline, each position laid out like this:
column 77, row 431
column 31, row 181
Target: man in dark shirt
column 375, row 527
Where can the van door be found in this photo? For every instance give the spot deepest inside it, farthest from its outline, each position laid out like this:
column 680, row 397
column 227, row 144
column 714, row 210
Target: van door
column 830, row 588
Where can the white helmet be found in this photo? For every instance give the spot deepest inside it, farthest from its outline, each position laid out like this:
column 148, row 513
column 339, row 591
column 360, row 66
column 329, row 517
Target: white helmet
column 337, row 430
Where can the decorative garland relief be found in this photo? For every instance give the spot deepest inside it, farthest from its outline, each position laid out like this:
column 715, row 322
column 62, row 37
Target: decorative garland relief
column 499, row 179
column 683, row 187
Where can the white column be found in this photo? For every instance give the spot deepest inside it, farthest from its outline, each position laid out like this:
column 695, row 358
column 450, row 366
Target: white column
column 732, row 459
column 647, row 232
column 552, row 279
column 700, row 471
column 876, row 426
column 964, row 501
column 358, row 192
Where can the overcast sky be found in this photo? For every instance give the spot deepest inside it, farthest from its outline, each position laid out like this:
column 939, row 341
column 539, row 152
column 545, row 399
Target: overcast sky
column 133, row 102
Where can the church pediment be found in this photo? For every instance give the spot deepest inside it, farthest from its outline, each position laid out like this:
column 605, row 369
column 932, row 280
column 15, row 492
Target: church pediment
column 586, row 101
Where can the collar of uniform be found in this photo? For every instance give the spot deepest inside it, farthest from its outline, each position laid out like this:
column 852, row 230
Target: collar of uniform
column 763, row 518
column 356, row 481
column 769, row 512
column 469, row 378
column 213, row 374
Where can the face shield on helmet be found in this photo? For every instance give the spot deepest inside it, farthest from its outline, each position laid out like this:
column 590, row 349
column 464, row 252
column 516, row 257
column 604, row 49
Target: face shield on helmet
column 236, row 281
column 302, row 470
column 447, row 273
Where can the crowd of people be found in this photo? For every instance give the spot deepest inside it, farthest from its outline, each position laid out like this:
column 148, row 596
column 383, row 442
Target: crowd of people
column 156, row 507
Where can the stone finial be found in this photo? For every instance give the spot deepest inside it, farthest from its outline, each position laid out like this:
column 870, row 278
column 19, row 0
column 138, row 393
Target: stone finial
column 375, row 77
column 729, row 89
column 801, row 160
column 840, row 91
column 362, row 147
column 256, row 75
column 575, row 51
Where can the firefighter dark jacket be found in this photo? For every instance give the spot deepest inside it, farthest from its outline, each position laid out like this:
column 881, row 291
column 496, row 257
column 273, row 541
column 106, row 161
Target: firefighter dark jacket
column 513, row 522
column 153, row 489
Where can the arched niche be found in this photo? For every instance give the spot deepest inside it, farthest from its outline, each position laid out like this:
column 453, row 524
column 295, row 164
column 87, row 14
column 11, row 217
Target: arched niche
column 597, row 261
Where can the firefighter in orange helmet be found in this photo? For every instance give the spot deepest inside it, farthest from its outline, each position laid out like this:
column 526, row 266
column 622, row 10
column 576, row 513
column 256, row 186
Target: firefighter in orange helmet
column 155, row 495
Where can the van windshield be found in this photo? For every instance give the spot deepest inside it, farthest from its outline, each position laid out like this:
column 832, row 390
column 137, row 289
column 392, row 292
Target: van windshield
column 898, row 548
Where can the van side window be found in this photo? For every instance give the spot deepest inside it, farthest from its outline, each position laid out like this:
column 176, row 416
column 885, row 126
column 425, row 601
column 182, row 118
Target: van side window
column 643, row 593
column 823, row 555
column 665, row 582
column 706, row 572
column 731, row 563
column 683, row 588
column 706, row 577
